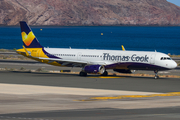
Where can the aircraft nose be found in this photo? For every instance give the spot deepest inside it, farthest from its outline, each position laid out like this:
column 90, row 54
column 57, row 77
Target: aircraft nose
column 173, row 64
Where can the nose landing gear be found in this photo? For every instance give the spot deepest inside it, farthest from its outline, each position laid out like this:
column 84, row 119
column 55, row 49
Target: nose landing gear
column 156, row 74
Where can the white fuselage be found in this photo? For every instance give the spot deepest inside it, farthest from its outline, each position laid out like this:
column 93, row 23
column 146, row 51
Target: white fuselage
column 116, row 59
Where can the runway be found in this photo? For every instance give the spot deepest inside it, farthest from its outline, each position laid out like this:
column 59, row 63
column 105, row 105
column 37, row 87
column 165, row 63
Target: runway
column 55, row 96
column 144, row 84
column 100, row 114
column 34, row 65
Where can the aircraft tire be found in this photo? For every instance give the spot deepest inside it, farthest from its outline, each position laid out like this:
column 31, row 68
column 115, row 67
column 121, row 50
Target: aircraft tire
column 156, row 77
column 82, row 74
column 105, row 73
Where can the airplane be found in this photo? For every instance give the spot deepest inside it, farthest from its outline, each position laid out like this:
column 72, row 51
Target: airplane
column 93, row 61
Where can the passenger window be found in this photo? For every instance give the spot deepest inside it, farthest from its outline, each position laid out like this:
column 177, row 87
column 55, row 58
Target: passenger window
column 162, row 58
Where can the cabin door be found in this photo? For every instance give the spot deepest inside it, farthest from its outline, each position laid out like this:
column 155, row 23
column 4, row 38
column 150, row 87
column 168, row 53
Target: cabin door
column 152, row 59
column 79, row 56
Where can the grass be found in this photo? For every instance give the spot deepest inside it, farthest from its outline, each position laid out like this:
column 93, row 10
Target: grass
column 178, row 63
column 174, row 55
column 13, row 57
column 7, row 50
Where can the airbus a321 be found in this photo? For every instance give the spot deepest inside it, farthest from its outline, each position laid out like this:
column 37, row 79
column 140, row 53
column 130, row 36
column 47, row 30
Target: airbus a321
column 93, row 61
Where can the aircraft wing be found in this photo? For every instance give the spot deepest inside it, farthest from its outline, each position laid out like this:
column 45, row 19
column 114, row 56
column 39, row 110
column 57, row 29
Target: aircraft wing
column 74, row 63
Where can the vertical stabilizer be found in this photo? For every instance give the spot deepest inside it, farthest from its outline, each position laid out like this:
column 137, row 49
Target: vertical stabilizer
column 28, row 37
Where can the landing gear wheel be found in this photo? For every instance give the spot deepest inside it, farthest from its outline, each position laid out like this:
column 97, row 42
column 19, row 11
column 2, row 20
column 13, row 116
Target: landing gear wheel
column 105, row 73
column 82, row 74
column 156, row 74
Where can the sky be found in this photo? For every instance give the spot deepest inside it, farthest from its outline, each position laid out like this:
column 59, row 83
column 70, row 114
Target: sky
column 176, row 2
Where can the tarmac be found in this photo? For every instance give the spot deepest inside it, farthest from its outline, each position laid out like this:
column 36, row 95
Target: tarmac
column 41, row 95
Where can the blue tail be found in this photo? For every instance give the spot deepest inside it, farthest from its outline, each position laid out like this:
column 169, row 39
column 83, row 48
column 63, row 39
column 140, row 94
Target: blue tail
column 28, row 37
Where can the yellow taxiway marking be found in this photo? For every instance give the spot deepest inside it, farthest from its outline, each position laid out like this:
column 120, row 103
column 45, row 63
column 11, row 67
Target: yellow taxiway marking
column 132, row 96
column 106, row 77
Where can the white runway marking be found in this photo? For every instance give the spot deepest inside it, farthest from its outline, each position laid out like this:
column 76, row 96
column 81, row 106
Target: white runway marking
column 35, row 89
column 164, row 72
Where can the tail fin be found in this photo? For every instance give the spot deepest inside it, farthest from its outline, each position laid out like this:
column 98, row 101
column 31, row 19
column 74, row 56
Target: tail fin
column 29, row 39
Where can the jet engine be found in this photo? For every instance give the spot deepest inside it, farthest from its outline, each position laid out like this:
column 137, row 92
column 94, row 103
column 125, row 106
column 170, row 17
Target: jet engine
column 96, row 69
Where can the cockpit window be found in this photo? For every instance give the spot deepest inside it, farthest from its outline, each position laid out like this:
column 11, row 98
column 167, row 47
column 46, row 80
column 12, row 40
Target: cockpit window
column 165, row 58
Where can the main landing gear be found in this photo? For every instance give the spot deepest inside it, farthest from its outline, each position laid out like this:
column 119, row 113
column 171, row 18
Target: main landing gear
column 105, row 73
column 82, row 73
column 156, row 74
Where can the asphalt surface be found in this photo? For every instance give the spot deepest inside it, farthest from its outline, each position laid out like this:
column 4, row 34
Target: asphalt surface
column 145, row 84
column 103, row 112
column 34, row 65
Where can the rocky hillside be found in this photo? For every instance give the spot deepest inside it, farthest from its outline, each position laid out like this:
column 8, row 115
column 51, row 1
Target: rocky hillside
column 89, row 12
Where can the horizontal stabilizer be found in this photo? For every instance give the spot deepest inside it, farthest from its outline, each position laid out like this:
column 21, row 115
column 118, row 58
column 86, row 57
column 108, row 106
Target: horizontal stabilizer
column 28, row 53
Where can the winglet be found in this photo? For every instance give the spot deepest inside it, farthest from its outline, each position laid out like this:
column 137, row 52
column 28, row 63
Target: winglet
column 123, row 48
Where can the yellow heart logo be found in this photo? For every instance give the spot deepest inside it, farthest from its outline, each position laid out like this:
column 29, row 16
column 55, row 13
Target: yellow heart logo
column 27, row 39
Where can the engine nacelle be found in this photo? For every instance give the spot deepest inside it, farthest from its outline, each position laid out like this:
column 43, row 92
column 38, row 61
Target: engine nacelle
column 122, row 70
column 95, row 69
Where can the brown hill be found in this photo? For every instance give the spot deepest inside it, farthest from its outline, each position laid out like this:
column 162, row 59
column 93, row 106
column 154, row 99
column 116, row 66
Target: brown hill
column 89, row 12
